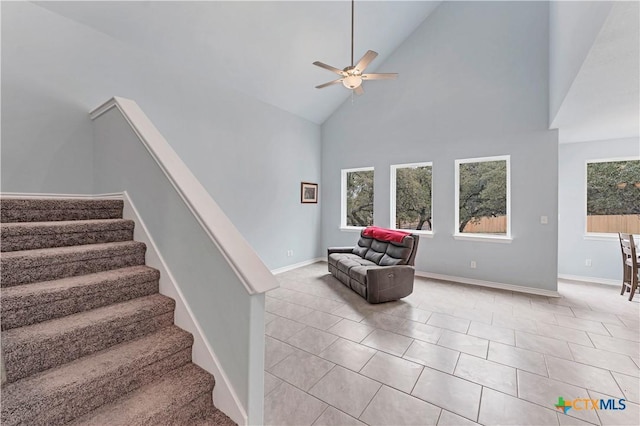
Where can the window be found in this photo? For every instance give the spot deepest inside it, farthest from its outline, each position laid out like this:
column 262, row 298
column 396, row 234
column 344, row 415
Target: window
column 613, row 196
column 357, row 197
column 411, row 197
column 483, row 197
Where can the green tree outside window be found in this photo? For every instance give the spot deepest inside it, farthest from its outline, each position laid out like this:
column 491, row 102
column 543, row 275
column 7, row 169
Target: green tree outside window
column 482, row 193
column 613, row 196
column 413, row 198
column 359, row 198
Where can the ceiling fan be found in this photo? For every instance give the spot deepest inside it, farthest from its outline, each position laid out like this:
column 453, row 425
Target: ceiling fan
column 352, row 76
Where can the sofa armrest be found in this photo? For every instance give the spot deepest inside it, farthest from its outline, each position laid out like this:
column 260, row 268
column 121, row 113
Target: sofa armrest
column 339, row 250
column 389, row 283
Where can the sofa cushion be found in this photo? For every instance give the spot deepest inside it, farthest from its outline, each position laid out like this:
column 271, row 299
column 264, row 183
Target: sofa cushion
column 363, row 246
column 360, row 251
column 345, row 264
column 377, row 250
column 387, row 260
column 334, row 258
column 359, row 273
column 400, row 252
column 379, row 246
column 374, row 256
column 346, row 261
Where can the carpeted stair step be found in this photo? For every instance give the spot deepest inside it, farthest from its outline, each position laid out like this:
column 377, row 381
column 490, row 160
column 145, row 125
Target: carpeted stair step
column 55, row 209
column 37, row 302
column 208, row 417
column 60, row 395
column 36, row 235
column 216, row 418
column 167, row 401
column 201, row 412
column 28, row 266
column 34, row 348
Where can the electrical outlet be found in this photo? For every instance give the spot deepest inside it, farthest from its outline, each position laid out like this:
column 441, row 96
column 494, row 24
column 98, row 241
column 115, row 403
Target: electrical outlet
column 473, row 264
column 289, row 253
column 544, row 220
column 587, row 262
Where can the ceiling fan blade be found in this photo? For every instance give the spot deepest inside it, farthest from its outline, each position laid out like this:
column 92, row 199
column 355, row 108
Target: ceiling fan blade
column 329, row 83
column 366, row 60
column 359, row 90
column 329, row 67
column 380, row 76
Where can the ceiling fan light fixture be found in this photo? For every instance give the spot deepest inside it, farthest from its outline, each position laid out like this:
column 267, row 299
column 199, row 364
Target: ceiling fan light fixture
column 352, row 76
column 352, row 82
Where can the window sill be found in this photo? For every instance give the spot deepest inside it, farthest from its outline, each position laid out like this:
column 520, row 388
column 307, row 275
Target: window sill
column 425, row 234
column 484, row 237
column 600, row 236
column 352, row 228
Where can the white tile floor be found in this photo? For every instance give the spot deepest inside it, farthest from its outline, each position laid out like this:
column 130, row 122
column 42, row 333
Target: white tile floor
column 449, row 354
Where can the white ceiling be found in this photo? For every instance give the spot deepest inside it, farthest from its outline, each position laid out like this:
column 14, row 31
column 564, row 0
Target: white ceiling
column 604, row 99
column 266, row 48
column 261, row 48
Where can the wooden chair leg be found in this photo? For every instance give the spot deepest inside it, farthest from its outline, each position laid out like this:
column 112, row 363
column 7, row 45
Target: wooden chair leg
column 634, row 287
column 626, row 282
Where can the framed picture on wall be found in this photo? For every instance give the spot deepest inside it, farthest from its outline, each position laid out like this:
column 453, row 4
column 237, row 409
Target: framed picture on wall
column 308, row 192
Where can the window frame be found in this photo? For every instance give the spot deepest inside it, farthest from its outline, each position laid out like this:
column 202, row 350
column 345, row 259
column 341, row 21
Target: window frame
column 602, row 236
column 506, row 238
column 392, row 199
column 343, row 197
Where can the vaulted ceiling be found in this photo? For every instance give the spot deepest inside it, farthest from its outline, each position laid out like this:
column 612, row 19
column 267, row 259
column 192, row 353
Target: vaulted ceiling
column 604, row 99
column 266, row 48
column 261, row 48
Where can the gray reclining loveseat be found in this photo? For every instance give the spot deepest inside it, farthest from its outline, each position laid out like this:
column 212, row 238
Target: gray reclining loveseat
column 380, row 267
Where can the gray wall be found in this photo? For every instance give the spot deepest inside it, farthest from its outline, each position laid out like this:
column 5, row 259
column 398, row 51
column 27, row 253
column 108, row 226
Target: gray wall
column 46, row 134
column 217, row 299
column 473, row 82
column 573, row 27
column 573, row 247
column 250, row 156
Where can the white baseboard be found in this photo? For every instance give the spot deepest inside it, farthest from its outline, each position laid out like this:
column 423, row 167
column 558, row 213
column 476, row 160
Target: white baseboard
column 297, row 265
column 39, row 196
column 462, row 280
column 203, row 355
column 491, row 284
column 594, row 280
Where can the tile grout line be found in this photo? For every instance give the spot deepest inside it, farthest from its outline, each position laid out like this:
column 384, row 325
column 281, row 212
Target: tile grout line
column 413, row 339
column 477, row 420
column 439, row 414
column 369, row 403
column 619, row 385
column 597, row 413
column 320, row 415
column 488, row 300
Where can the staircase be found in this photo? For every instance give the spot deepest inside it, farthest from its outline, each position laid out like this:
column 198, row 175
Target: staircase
column 86, row 337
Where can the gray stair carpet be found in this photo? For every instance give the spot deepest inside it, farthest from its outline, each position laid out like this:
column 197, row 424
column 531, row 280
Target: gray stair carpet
column 86, row 337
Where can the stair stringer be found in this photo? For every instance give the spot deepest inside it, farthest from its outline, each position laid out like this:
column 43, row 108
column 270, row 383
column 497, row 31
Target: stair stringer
column 203, row 355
